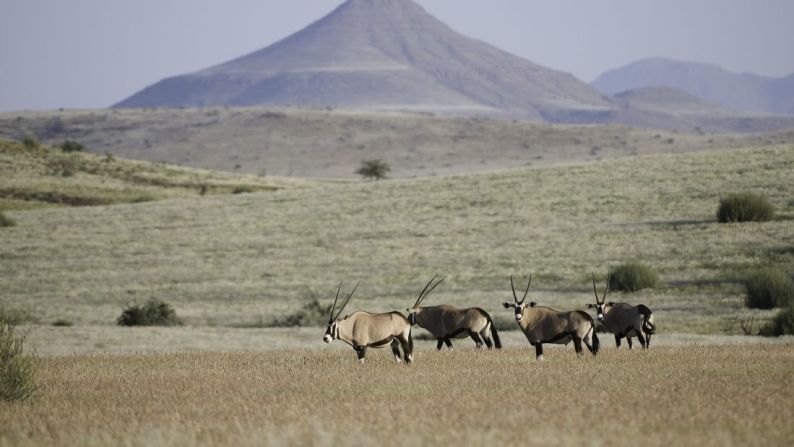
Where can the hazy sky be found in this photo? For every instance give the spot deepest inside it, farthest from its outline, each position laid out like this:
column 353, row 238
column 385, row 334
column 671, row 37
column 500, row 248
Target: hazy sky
column 93, row 53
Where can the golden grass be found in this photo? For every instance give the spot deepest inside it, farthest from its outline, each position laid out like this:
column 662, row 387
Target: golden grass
column 666, row 396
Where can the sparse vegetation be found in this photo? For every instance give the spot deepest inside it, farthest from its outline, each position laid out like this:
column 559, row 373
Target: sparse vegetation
column 745, row 207
column 781, row 324
column 6, row 221
column 72, row 146
column 153, row 313
column 632, row 276
column 311, row 314
column 374, row 169
column 768, row 287
column 30, row 142
column 17, row 369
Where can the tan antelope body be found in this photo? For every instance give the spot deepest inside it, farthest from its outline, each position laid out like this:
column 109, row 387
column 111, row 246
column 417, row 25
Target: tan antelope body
column 363, row 330
column 545, row 325
column 624, row 320
column 445, row 322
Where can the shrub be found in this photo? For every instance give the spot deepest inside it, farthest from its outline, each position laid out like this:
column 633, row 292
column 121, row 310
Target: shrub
column 6, row 221
column 782, row 324
column 242, row 190
column 71, row 146
column 311, row 314
column 375, row 169
column 153, row 313
column 61, row 322
column 632, row 276
column 17, row 370
column 30, row 142
column 745, row 207
column 767, row 288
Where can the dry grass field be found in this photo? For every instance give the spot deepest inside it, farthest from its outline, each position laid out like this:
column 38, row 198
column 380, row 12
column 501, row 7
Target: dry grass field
column 331, row 144
column 705, row 396
column 240, row 260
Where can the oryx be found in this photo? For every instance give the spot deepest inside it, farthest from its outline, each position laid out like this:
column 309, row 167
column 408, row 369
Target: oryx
column 544, row 325
column 363, row 330
column 445, row 322
column 624, row 320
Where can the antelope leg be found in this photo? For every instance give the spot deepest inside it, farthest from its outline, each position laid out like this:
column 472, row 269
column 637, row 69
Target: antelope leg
column 641, row 339
column 440, row 344
column 617, row 341
column 476, row 337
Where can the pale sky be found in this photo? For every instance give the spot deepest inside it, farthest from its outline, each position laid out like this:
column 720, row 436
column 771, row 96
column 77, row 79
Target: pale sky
column 93, row 53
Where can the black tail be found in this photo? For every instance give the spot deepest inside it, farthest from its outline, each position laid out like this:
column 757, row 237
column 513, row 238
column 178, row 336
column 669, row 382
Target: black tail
column 647, row 326
column 596, row 343
column 496, row 342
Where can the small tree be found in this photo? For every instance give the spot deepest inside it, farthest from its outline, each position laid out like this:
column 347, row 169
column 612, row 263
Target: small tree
column 374, row 169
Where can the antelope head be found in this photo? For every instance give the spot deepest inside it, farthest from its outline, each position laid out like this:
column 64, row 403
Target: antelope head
column 332, row 331
column 426, row 291
column 519, row 305
column 600, row 306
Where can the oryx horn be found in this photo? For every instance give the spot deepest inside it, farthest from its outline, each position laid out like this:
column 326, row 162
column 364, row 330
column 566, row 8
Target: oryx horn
column 515, row 297
column 426, row 292
column 342, row 307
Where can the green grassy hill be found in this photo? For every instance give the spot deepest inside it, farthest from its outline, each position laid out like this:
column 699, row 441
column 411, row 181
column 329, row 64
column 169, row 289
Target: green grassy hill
column 231, row 260
column 35, row 176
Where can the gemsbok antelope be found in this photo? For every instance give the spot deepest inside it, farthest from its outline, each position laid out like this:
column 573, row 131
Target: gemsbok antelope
column 624, row 320
column 544, row 325
column 363, row 330
column 445, row 322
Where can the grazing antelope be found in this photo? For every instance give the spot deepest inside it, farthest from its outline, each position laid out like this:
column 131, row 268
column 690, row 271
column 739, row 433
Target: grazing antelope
column 624, row 320
column 445, row 322
column 363, row 330
column 544, row 325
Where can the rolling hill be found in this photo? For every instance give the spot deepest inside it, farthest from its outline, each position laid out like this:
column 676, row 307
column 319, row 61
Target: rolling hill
column 747, row 93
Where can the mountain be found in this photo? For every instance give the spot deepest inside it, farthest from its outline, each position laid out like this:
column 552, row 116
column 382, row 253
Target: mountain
column 384, row 55
column 742, row 92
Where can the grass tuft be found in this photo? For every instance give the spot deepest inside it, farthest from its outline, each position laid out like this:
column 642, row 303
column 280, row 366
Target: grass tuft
column 767, row 288
column 153, row 313
column 6, row 221
column 17, row 370
column 745, row 207
column 632, row 276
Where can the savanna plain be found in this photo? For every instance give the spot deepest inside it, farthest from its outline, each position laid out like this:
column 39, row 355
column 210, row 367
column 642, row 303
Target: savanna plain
column 232, row 263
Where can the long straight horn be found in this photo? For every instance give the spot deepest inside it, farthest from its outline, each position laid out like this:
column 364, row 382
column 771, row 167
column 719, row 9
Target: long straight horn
column 606, row 288
column 515, row 297
column 527, row 290
column 422, row 293
column 430, row 290
column 347, row 300
column 595, row 290
column 331, row 316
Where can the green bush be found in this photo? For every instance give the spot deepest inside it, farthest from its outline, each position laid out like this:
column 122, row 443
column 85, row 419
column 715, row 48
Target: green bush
column 632, row 276
column 62, row 322
column 745, row 207
column 153, row 313
column 242, row 190
column 6, row 221
column 767, row 288
column 311, row 314
column 374, row 169
column 17, row 370
column 72, row 146
column 30, row 142
column 782, row 324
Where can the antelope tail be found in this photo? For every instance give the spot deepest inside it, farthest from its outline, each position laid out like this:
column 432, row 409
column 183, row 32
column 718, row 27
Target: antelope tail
column 596, row 343
column 496, row 341
column 647, row 325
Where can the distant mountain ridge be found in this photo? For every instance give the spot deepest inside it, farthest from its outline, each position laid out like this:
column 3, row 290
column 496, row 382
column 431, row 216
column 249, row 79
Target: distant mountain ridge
column 392, row 55
column 741, row 92
column 382, row 54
